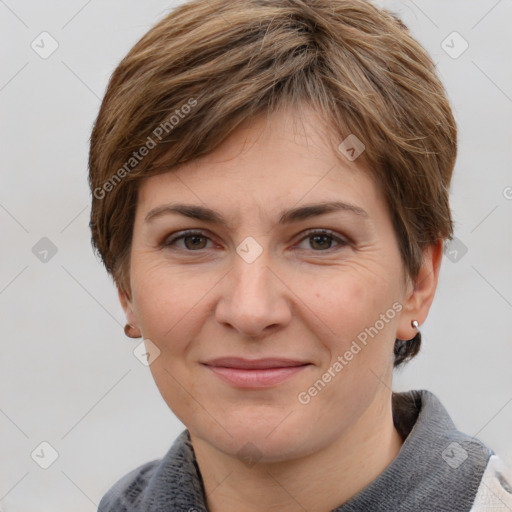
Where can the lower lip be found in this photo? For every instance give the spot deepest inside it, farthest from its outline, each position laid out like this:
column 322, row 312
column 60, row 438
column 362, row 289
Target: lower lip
column 256, row 378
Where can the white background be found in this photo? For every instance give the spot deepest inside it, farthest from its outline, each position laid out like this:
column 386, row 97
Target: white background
column 68, row 375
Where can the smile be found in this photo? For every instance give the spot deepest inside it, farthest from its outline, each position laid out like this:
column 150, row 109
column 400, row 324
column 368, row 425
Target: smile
column 258, row 373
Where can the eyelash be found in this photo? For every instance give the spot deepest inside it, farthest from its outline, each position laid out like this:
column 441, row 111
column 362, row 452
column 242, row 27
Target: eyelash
column 308, row 234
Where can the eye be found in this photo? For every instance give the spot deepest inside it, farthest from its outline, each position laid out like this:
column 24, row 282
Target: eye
column 193, row 240
column 321, row 240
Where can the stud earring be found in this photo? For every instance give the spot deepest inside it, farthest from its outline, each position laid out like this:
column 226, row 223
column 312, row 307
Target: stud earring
column 415, row 324
column 131, row 331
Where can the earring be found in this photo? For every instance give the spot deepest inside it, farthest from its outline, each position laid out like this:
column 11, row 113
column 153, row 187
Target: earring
column 131, row 332
column 415, row 324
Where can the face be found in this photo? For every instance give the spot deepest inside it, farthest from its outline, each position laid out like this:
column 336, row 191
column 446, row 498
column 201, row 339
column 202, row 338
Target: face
column 274, row 321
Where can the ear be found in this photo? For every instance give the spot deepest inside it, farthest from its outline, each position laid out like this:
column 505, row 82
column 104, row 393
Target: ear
column 420, row 293
column 127, row 306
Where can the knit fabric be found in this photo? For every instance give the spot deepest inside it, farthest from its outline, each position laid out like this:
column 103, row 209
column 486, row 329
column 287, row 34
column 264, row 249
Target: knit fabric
column 438, row 469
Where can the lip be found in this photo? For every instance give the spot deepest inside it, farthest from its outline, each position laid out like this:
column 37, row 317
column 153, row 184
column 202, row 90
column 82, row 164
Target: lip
column 255, row 373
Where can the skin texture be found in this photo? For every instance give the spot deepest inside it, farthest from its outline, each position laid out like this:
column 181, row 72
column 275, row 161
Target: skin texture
column 302, row 298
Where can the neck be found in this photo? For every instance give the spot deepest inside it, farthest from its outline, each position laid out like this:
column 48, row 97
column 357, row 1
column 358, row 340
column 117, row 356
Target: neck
column 321, row 481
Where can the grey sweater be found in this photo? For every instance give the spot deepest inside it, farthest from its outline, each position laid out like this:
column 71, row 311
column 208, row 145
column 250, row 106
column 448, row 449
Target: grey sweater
column 438, row 469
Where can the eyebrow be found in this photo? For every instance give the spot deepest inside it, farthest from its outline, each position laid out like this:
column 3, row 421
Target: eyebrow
column 289, row 216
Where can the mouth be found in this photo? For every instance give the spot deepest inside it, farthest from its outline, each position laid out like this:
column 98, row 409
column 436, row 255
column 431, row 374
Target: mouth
column 255, row 373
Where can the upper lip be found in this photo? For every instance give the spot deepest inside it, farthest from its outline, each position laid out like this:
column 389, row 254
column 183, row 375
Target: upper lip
column 249, row 364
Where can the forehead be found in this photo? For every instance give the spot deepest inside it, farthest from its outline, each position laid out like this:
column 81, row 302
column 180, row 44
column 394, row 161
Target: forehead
column 269, row 163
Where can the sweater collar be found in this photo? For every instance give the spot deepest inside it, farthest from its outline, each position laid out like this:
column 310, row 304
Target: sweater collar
column 434, row 455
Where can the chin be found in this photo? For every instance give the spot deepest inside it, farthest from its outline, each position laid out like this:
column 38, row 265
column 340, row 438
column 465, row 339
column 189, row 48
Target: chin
column 277, row 448
column 252, row 438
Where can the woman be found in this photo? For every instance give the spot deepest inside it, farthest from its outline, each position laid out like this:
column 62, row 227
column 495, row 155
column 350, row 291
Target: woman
column 270, row 194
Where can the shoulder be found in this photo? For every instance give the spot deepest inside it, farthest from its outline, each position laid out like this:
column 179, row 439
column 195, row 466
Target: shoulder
column 441, row 467
column 495, row 490
column 162, row 484
column 126, row 494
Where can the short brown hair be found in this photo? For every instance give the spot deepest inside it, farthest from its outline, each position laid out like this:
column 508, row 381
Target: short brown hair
column 213, row 64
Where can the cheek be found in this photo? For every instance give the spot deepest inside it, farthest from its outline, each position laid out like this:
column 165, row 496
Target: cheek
column 170, row 308
column 168, row 302
column 362, row 312
column 353, row 302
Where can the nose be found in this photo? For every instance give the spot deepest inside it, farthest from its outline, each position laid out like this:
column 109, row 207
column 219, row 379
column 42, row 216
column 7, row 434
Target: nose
column 254, row 301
